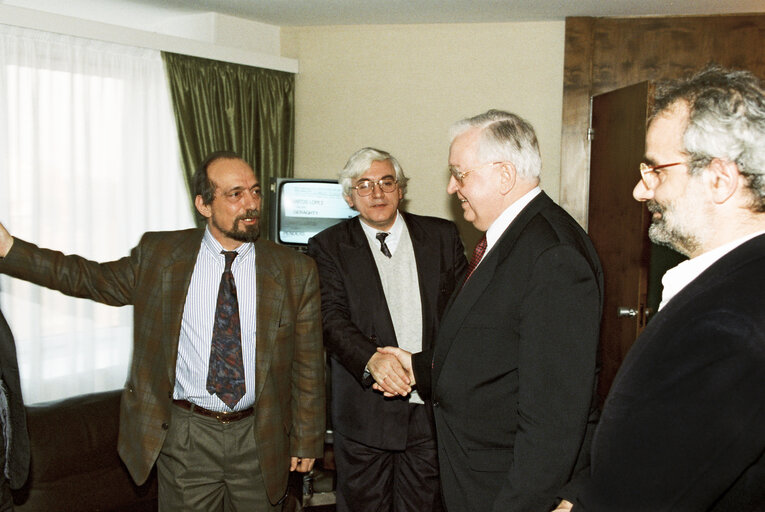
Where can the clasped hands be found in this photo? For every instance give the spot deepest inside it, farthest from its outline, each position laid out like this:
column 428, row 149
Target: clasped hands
column 391, row 368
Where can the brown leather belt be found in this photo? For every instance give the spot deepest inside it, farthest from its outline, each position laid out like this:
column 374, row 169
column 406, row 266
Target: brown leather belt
column 223, row 417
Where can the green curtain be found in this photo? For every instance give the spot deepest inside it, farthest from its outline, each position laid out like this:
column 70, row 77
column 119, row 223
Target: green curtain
column 224, row 106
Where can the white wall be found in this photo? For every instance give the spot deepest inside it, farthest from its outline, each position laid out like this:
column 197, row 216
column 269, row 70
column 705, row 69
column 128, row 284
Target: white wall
column 400, row 87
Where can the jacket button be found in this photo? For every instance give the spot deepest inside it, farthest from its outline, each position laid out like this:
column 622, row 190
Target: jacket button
column 165, row 426
column 435, row 404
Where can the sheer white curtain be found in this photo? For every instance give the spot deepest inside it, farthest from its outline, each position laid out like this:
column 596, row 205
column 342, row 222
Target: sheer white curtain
column 88, row 161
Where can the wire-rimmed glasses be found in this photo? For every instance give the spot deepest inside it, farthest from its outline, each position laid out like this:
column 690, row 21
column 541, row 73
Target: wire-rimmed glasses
column 460, row 175
column 365, row 187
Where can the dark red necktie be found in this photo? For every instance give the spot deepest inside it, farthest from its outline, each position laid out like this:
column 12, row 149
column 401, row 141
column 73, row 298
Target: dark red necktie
column 225, row 377
column 480, row 248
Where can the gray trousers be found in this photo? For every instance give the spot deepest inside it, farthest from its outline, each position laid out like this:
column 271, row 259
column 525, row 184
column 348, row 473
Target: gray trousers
column 208, row 466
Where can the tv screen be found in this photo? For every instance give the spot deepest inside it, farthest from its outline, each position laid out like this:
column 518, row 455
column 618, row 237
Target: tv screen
column 300, row 208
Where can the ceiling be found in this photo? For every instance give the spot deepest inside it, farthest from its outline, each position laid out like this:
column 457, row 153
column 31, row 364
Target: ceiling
column 375, row 12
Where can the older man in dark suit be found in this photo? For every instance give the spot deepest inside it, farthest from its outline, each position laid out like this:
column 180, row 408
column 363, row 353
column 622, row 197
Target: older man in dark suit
column 225, row 388
column 385, row 279
column 682, row 427
column 14, row 439
column 512, row 374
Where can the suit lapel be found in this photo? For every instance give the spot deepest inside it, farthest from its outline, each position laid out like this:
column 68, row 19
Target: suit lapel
column 176, row 277
column 463, row 300
column 426, row 258
column 270, row 293
column 460, row 305
column 357, row 256
column 361, row 269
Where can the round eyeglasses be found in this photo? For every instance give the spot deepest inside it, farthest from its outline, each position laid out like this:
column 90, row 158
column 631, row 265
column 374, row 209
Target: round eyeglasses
column 650, row 173
column 366, row 187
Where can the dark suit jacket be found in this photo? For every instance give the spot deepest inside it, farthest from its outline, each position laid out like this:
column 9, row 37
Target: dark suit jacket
column 514, row 367
column 18, row 455
column 683, row 427
column 289, row 417
column 357, row 321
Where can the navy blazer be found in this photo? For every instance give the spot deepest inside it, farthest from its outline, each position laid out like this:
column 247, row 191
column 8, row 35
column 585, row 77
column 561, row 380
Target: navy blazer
column 683, row 427
column 513, row 372
column 356, row 319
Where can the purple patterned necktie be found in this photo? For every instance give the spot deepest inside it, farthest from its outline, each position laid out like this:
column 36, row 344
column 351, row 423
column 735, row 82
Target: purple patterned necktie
column 226, row 374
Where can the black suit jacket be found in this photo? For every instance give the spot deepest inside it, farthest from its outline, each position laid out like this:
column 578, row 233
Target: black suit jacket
column 356, row 319
column 18, row 456
column 513, row 371
column 683, row 427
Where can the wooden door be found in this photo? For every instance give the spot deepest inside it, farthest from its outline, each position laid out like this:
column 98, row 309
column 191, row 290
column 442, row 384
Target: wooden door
column 617, row 224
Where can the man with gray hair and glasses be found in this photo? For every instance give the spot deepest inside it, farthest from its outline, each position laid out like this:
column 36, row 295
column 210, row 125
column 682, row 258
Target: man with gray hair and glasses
column 682, row 427
column 385, row 278
column 513, row 372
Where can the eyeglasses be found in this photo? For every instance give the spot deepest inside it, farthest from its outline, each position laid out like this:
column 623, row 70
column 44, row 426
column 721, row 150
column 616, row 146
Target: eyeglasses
column 460, row 175
column 366, row 187
column 650, row 173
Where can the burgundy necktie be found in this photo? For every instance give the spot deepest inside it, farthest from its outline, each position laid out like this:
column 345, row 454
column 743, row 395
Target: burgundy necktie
column 480, row 248
column 226, row 374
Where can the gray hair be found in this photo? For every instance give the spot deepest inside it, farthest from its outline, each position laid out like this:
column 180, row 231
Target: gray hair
column 504, row 137
column 727, row 121
column 361, row 161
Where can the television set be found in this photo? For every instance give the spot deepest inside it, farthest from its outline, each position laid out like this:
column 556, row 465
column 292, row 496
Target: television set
column 300, row 208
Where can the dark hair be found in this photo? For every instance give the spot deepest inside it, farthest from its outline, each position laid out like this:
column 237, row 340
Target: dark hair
column 201, row 183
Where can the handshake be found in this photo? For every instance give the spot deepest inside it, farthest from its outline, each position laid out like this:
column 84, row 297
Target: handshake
column 391, row 368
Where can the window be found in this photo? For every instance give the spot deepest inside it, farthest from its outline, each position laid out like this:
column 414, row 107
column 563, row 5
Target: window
column 88, row 162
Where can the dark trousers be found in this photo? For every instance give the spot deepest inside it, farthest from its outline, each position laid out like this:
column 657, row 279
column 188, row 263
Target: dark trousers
column 373, row 480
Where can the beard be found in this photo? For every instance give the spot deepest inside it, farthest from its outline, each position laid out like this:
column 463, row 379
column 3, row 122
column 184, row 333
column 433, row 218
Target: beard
column 249, row 234
column 671, row 230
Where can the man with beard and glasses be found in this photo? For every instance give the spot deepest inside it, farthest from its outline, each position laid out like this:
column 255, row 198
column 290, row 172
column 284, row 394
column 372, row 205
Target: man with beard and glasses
column 226, row 384
column 682, row 428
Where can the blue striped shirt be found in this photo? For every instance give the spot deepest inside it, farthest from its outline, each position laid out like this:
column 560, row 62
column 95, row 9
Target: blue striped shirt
column 197, row 324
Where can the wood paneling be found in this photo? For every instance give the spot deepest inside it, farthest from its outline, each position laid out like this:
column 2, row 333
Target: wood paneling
column 603, row 54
